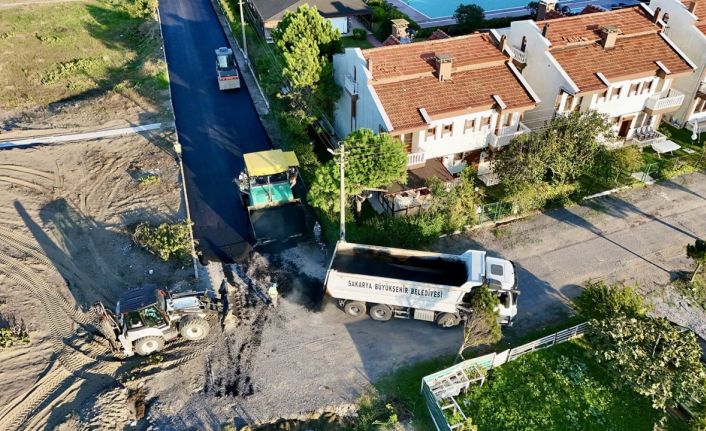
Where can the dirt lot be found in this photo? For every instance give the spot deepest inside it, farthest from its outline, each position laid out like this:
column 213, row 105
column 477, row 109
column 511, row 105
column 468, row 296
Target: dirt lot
column 79, row 65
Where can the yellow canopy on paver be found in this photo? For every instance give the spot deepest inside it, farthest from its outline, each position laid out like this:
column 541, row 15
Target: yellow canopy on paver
column 269, row 162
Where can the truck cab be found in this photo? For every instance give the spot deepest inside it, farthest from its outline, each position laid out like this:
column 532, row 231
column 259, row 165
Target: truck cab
column 226, row 70
column 501, row 279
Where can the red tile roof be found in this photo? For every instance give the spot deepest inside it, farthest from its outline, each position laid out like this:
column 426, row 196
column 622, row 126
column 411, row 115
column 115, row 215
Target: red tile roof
column 471, row 90
column 391, row 40
column 576, row 46
column 700, row 13
column 416, row 58
column 404, row 78
column 438, row 34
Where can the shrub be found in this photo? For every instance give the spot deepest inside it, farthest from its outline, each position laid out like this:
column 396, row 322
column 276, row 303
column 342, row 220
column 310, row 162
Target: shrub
column 148, row 179
column 13, row 335
column 611, row 164
column 538, row 196
column 166, row 240
column 360, row 34
column 601, row 301
column 383, row 13
column 482, row 327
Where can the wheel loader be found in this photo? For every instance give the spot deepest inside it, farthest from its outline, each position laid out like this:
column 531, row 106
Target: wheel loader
column 146, row 318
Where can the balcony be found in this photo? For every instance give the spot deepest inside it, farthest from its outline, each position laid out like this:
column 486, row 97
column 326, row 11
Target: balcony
column 645, row 137
column 506, row 135
column 519, row 55
column 664, row 101
column 414, row 159
column 351, row 85
column 702, row 89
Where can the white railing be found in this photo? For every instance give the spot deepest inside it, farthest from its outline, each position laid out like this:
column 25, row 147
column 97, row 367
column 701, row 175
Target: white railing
column 351, row 85
column 646, row 137
column 506, row 135
column 665, row 100
column 415, row 158
column 518, row 54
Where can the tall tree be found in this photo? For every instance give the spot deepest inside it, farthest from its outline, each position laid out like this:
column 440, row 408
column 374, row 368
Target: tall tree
column 470, row 17
column 372, row 161
column 306, row 23
column 560, row 153
column 482, row 326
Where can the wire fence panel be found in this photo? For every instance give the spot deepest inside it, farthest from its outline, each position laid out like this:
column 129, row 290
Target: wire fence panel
column 433, row 386
column 494, row 211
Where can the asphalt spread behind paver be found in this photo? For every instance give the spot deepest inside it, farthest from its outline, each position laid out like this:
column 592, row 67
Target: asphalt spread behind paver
column 214, row 128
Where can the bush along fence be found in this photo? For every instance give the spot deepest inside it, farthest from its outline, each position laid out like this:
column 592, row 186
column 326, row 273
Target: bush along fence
column 440, row 388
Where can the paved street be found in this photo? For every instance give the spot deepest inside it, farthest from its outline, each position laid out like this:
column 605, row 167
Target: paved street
column 326, row 357
column 215, row 128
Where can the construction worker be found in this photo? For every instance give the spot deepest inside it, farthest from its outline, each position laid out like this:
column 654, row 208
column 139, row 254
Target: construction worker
column 273, row 294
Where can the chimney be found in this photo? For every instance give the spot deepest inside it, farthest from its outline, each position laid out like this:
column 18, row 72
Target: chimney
column 692, row 6
column 503, row 43
column 545, row 30
column 655, row 17
column 544, row 7
column 609, row 34
column 399, row 28
column 443, row 66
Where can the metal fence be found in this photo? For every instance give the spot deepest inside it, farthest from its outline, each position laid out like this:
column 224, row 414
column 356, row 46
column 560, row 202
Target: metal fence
column 494, row 211
column 440, row 388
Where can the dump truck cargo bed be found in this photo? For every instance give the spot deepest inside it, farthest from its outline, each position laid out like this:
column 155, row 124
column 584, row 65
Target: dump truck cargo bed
column 442, row 270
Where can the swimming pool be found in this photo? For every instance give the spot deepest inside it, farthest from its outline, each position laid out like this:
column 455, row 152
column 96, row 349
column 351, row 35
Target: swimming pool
column 444, row 8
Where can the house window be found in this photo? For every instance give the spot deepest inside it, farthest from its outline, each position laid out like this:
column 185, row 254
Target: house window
column 665, row 18
column 645, row 87
column 507, row 120
column 485, row 122
column 431, row 132
column 447, row 129
column 407, row 140
column 523, row 46
column 569, row 103
column 633, row 89
column 700, row 106
column 616, row 93
column 470, row 125
column 579, row 101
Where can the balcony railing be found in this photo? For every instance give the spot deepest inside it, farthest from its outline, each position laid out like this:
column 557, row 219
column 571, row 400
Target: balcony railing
column 507, row 134
column 666, row 99
column 351, row 85
column 519, row 55
column 646, row 136
column 415, row 159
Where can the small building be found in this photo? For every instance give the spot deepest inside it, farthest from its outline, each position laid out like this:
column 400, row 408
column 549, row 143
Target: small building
column 685, row 24
column 268, row 13
column 451, row 101
column 620, row 63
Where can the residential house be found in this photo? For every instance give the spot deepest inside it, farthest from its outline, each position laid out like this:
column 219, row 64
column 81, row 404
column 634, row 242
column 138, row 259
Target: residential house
column 268, row 13
column 450, row 100
column 619, row 63
column 686, row 26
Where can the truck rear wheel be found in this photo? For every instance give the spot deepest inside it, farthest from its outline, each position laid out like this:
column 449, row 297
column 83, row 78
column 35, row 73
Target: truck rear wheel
column 194, row 328
column 447, row 320
column 354, row 308
column 147, row 345
column 381, row 312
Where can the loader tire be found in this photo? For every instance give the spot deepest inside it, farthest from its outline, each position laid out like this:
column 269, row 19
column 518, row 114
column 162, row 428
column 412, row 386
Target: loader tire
column 381, row 312
column 147, row 345
column 447, row 320
column 354, row 308
column 194, row 328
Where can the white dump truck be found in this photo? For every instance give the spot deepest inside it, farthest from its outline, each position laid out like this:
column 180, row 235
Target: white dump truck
column 392, row 282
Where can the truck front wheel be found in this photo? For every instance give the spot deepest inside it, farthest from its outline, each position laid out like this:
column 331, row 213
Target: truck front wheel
column 147, row 345
column 447, row 320
column 354, row 308
column 194, row 328
column 380, row 312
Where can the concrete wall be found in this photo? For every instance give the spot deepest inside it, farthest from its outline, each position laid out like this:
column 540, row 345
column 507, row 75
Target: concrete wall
column 681, row 30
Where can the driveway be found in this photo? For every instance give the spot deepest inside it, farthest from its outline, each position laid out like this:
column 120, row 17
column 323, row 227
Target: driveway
column 214, row 128
column 304, row 360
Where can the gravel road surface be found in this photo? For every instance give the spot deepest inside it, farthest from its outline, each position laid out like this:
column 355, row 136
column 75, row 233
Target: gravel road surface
column 308, row 356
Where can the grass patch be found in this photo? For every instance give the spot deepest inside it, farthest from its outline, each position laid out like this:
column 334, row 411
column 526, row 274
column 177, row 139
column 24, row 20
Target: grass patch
column 57, row 52
column 351, row 42
column 694, row 290
column 559, row 388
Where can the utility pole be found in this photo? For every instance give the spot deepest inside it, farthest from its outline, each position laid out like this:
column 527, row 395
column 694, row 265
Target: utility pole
column 343, row 195
column 242, row 27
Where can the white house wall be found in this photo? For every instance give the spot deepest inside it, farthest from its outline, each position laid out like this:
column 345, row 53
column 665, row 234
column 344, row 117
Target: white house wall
column 458, row 141
column 340, row 24
column 541, row 71
column 681, row 30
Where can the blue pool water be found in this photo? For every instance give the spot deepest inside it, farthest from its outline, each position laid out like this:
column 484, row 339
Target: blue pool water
column 444, row 8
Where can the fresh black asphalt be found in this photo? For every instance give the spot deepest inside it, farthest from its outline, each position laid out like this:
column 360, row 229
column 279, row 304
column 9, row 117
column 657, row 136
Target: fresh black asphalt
column 214, row 128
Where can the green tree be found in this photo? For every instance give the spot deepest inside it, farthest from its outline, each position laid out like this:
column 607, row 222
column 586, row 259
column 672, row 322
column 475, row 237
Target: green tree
column 372, row 161
column 558, row 154
column 697, row 252
column 601, row 301
column 482, row 325
column 459, row 202
column 470, row 17
column 611, row 164
column 655, row 358
column 305, row 42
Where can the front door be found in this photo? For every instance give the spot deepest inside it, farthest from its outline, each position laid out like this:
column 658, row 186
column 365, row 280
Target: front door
column 624, row 128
